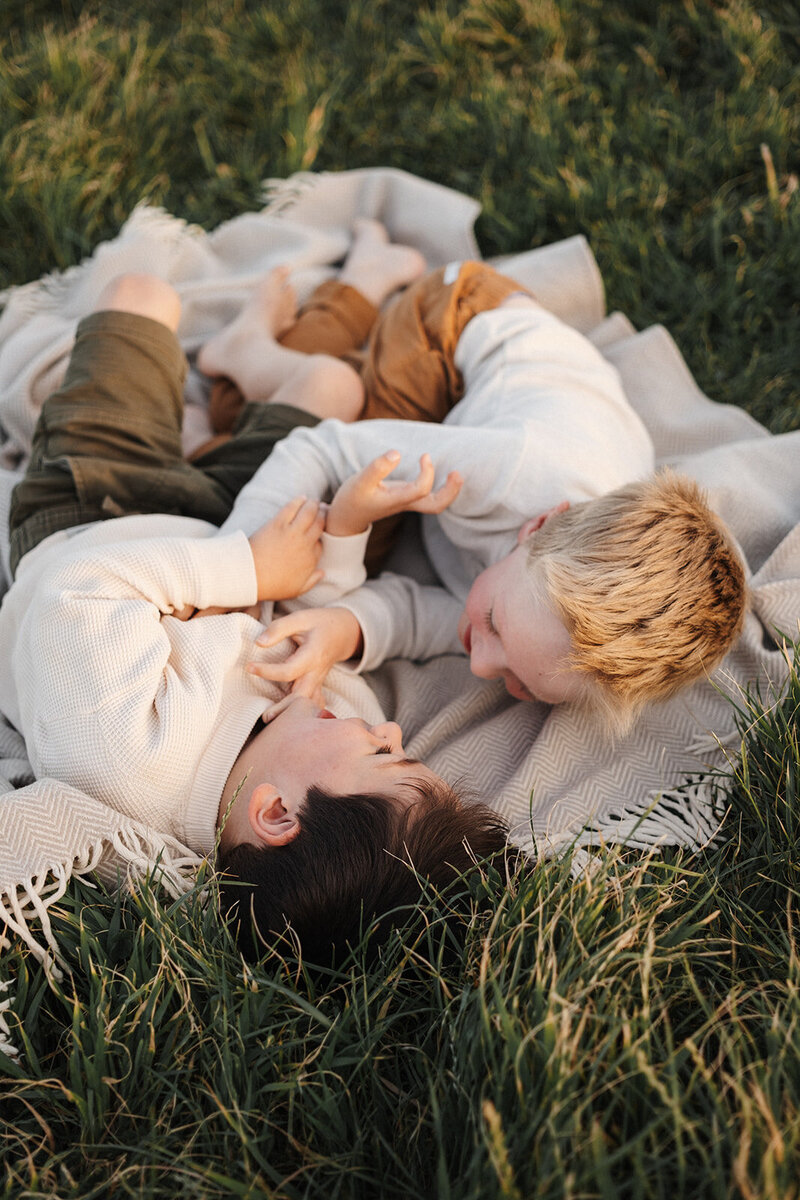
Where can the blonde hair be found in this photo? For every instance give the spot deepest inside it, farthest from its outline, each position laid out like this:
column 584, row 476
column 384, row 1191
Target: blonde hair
column 650, row 586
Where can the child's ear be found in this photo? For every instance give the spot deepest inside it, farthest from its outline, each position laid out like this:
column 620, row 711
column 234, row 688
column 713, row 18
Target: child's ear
column 534, row 523
column 271, row 821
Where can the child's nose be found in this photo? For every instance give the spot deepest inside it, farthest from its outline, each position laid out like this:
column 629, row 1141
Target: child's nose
column 391, row 732
column 483, row 661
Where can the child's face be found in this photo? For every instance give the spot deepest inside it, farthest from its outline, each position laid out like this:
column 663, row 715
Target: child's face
column 305, row 746
column 509, row 633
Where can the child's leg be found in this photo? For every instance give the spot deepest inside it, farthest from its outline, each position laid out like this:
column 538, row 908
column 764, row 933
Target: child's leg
column 339, row 315
column 267, row 372
column 335, row 321
column 143, row 296
column 409, row 372
column 108, row 441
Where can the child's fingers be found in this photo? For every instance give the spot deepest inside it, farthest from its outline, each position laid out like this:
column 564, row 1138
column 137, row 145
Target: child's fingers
column 285, row 672
column 447, row 493
column 308, row 685
column 275, row 710
column 381, row 466
column 292, row 508
column 424, row 481
column 439, row 500
column 282, row 627
column 307, row 516
column 405, row 493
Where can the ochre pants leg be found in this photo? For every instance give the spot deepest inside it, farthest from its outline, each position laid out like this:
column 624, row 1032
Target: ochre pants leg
column 336, row 320
column 409, row 371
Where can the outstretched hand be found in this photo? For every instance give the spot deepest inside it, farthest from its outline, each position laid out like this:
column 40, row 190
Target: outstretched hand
column 322, row 636
column 286, row 550
column 369, row 495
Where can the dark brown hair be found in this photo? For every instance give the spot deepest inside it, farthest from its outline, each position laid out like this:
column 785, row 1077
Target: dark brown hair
column 355, row 859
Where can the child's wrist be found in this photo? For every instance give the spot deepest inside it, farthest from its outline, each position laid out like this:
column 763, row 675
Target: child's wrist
column 351, row 636
column 344, row 526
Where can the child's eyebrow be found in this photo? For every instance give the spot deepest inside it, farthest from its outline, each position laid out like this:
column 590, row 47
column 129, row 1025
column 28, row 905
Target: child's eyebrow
column 402, row 762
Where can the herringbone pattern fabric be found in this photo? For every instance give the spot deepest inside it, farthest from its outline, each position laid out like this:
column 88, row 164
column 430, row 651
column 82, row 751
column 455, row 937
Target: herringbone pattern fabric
column 552, row 775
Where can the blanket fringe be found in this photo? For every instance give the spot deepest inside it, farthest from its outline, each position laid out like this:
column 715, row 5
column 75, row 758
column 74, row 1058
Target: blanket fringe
column 690, row 815
column 145, row 852
column 174, row 864
column 279, row 195
column 47, row 293
column 7, row 1047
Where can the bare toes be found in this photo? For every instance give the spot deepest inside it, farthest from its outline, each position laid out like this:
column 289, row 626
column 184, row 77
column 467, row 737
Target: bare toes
column 366, row 229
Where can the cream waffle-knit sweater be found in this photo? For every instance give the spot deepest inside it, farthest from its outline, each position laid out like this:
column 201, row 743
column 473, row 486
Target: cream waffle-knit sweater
column 116, row 696
column 543, row 418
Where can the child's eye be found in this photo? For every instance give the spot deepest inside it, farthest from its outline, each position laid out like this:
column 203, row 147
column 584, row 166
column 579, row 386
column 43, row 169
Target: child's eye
column 489, row 621
column 384, row 750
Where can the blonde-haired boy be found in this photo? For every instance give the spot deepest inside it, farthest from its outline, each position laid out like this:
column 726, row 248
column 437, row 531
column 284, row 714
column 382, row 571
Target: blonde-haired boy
column 565, row 566
column 636, row 594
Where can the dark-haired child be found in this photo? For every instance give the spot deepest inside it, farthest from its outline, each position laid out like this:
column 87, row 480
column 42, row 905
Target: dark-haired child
column 119, row 694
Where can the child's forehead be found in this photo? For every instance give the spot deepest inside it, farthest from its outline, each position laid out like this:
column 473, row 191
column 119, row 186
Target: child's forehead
column 525, row 609
column 521, row 578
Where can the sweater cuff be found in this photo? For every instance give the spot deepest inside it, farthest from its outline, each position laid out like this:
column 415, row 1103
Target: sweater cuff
column 226, row 572
column 342, row 561
column 344, row 556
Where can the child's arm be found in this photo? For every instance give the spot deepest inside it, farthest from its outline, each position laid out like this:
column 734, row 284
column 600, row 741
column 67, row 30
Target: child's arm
column 319, row 461
column 406, row 620
column 286, row 551
column 109, row 689
column 363, row 498
column 330, row 635
column 371, row 495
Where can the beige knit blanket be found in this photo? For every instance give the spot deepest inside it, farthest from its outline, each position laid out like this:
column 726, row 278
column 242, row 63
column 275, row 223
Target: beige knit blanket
column 552, row 775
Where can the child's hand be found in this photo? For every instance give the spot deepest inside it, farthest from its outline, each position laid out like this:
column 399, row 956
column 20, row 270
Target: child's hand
column 323, row 637
column 367, row 496
column 286, row 550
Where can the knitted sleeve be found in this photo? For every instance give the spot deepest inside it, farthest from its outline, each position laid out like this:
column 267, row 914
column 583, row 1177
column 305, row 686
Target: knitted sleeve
column 114, row 693
column 401, row 618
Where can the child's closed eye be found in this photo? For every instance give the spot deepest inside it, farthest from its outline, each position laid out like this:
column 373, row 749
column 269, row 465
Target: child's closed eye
column 489, row 621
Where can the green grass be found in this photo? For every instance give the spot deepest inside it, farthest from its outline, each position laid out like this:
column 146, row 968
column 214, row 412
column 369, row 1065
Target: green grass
column 636, row 1035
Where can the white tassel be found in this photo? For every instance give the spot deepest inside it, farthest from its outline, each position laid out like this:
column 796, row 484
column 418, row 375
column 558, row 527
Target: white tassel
column 30, row 899
column 279, row 195
column 6, row 1045
column 688, row 816
column 175, row 871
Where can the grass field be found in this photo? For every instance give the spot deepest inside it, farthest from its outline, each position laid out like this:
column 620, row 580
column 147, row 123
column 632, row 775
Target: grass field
column 635, row 1035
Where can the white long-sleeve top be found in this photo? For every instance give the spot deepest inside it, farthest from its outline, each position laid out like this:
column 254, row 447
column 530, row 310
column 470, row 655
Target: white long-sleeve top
column 116, row 696
column 543, row 418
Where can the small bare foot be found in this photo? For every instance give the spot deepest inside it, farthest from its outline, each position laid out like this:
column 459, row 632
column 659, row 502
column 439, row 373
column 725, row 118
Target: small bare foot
column 377, row 267
column 267, row 314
